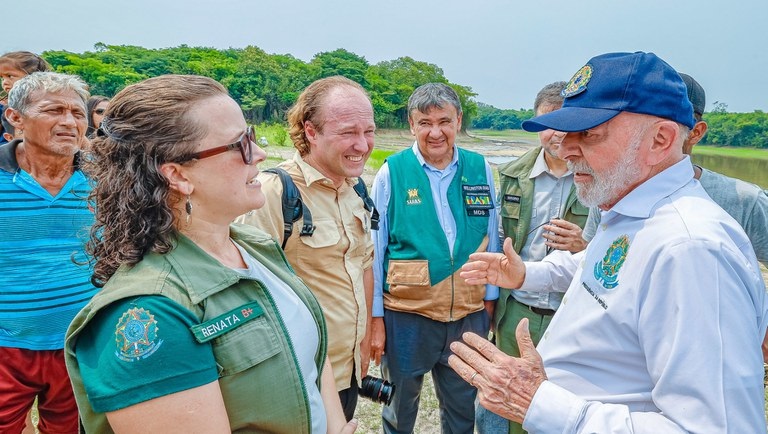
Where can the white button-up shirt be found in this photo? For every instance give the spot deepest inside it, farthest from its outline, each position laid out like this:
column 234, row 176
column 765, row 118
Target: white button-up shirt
column 660, row 330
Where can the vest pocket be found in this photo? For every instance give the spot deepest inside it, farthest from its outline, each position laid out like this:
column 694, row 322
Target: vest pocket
column 510, row 210
column 408, row 279
column 245, row 346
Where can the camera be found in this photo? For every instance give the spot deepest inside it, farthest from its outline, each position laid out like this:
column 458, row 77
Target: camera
column 377, row 389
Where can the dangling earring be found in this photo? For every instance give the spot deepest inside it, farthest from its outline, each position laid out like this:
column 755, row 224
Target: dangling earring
column 188, row 208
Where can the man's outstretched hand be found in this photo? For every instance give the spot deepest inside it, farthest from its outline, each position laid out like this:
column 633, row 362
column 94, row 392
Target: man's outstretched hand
column 506, row 270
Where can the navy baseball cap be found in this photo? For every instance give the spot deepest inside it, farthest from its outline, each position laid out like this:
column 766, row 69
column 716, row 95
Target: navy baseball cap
column 695, row 94
column 618, row 82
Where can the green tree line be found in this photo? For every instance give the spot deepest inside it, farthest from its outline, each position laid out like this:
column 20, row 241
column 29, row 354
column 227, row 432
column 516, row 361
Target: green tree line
column 737, row 129
column 493, row 118
column 265, row 85
column 724, row 129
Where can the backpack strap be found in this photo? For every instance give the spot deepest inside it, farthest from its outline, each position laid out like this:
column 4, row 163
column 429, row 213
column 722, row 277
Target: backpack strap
column 362, row 191
column 293, row 206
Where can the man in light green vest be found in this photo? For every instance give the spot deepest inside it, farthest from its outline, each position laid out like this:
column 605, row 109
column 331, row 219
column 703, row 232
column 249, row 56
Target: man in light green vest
column 539, row 212
column 436, row 206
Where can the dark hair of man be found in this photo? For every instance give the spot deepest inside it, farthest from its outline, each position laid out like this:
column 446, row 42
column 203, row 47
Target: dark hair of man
column 430, row 95
column 309, row 107
column 25, row 61
column 146, row 125
column 550, row 95
column 7, row 126
column 93, row 102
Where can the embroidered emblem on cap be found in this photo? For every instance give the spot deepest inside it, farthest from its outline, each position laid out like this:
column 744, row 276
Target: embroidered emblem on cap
column 413, row 197
column 578, row 82
column 136, row 335
column 607, row 271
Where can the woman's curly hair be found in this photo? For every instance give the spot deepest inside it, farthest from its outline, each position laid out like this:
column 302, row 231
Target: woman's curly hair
column 146, row 125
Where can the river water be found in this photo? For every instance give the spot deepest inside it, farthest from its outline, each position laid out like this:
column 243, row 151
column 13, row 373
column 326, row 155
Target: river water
column 751, row 170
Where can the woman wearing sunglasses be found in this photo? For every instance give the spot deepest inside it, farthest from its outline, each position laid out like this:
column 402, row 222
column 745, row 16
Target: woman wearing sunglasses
column 96, row 106
column 201, row 326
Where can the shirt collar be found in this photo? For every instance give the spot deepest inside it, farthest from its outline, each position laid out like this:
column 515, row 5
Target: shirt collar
column 312, row 175
column 641, row 201
column 8, row 156
column 10, row 164
column 540, row 166
column 423, row 162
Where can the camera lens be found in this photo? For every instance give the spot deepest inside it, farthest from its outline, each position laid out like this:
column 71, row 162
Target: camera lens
column 377, row 389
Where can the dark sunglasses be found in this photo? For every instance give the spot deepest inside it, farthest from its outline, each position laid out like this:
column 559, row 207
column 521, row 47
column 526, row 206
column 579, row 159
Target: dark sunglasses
column 244, row 143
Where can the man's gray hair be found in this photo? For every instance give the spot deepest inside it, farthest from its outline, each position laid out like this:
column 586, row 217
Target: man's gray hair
column 430, row 95
column 550, row 95
column 20, row 96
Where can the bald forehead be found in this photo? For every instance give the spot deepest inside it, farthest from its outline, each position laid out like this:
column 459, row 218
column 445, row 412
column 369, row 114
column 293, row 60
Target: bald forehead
column 344, row 96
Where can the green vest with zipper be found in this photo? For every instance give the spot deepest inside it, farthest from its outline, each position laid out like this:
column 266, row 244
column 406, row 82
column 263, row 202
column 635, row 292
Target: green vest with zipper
column 421, row 270
column 259, row 377
column 516, row 199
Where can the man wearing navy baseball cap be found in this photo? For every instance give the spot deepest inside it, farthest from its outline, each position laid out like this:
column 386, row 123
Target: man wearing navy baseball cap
column 661, row 326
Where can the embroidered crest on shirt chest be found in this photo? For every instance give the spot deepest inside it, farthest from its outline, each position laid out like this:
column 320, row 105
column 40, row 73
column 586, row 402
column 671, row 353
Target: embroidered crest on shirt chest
column 606, row 271
column 136, row 335
column 413, row 197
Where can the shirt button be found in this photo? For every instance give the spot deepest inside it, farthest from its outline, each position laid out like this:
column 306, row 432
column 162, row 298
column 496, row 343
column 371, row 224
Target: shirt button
column 565, row 300
column 546, row 335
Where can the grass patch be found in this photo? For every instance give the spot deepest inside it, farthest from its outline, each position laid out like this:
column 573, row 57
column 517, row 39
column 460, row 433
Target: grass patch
column 377, row 158
column 508, row 135
column 275, row 134
column 738, row 152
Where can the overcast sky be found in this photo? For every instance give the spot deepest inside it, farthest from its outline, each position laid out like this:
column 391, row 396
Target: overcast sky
column 505, row 50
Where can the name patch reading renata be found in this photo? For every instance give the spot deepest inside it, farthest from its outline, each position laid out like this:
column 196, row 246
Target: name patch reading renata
column 227, row 322
column 477, row 200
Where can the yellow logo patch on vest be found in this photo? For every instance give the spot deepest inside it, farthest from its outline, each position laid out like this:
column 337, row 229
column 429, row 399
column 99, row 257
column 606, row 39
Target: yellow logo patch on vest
column 607, row 271
column 413, row 197
column 136, row 335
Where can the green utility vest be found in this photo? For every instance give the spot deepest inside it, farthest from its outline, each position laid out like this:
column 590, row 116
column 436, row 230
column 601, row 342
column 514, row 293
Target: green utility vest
column 516, row 198
column 259, row 375
column 421, row 270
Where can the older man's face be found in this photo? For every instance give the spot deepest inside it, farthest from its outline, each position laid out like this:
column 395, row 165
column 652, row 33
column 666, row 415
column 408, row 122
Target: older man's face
column 607, row 161
column 436, row 133
column 55, row 122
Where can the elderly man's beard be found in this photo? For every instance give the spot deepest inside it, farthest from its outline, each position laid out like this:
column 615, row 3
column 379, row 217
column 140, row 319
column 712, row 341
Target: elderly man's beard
column 607, row 187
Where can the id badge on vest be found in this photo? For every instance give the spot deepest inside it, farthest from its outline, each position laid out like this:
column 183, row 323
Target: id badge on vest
column 477, row 200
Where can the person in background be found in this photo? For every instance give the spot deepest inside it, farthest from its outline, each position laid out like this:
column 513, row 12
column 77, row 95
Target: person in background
column 97, row 105
column 200, row 325
column 332, row 128
column 14, row 66
column 9, row 132
column 45, row 216
column 745, row 202
column 661, row 326
column 537, row 194
column 436, row 205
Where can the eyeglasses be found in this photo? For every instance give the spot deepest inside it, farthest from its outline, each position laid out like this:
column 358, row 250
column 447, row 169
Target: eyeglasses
column 244, row 143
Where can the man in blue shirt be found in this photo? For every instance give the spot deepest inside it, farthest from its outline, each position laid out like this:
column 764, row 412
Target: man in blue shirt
column 436, row 206
column 46, row 218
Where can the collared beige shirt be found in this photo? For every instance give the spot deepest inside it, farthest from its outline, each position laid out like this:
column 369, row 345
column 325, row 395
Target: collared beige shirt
column 332, row 260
